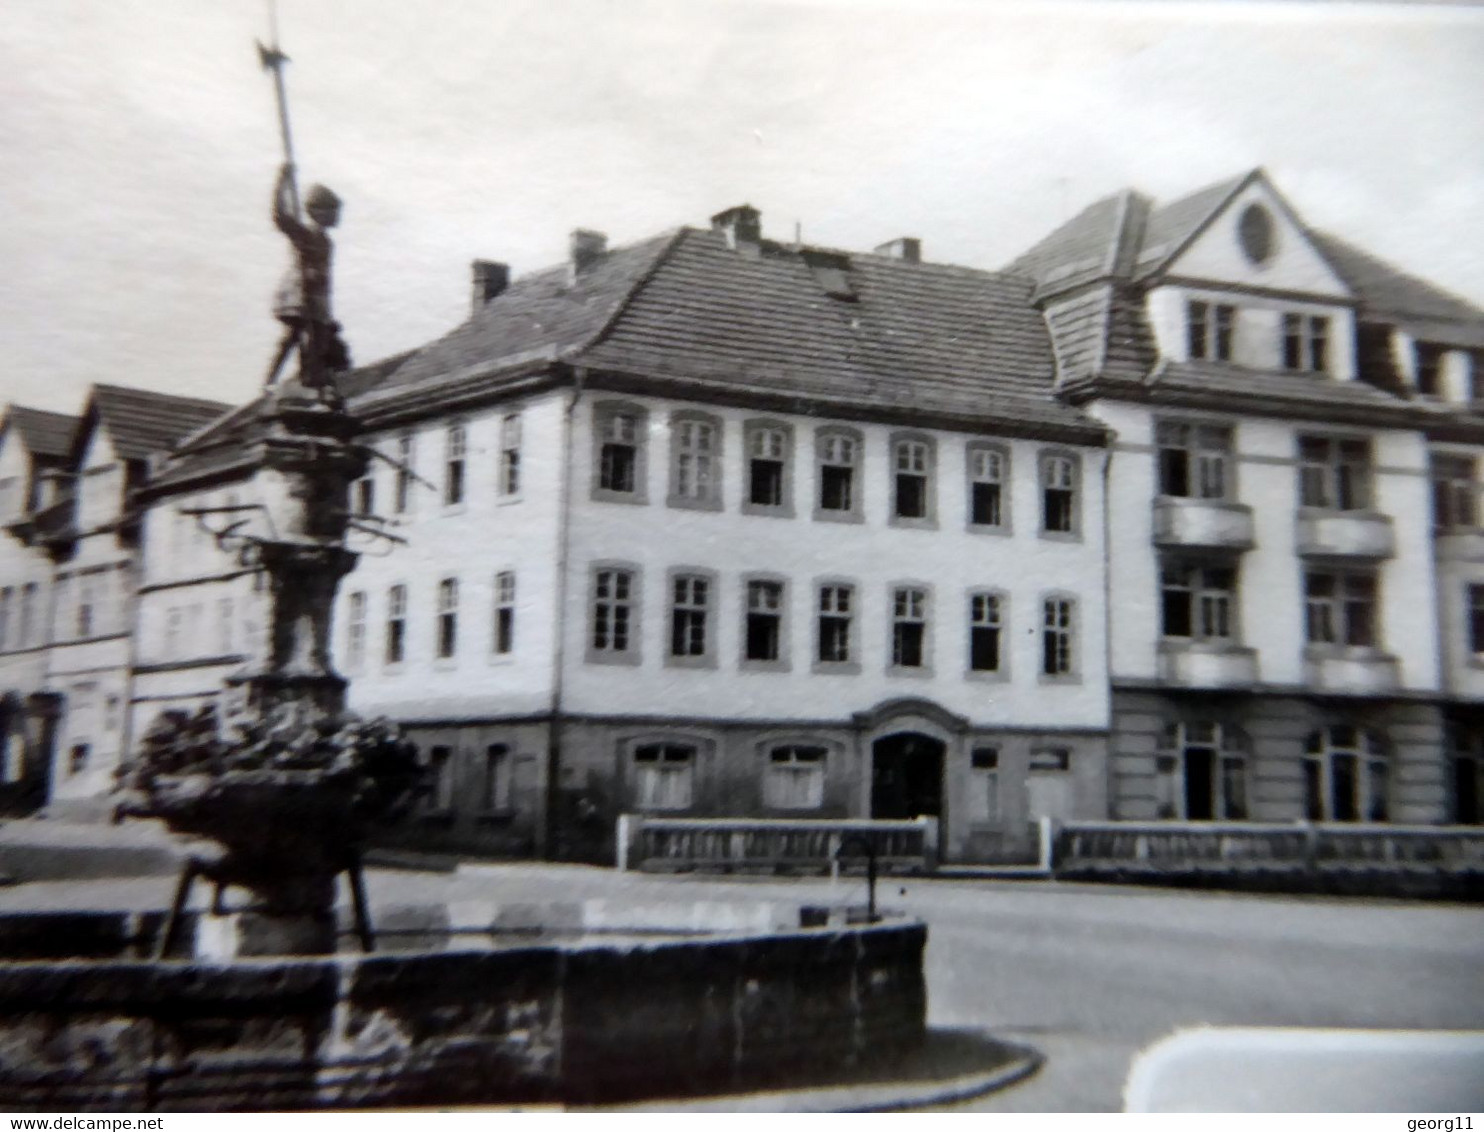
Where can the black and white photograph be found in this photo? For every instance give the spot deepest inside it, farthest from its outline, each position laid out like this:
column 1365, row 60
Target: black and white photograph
column 813, row 556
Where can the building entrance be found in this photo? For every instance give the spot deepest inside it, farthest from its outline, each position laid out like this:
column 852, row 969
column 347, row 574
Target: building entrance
column 907, row 776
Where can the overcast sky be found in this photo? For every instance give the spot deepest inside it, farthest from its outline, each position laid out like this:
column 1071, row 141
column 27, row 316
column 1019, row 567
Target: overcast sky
column 138, row 146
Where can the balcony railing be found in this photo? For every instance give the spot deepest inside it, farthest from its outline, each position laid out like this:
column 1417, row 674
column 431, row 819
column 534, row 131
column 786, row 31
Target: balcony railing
column 1201, row 664
column 1351, row 671
column 1178, row 846
column 1203, row 524
column 1345, row 534
column 802, row 845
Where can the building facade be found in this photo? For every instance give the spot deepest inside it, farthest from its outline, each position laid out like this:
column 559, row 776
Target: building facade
column 1175, row 518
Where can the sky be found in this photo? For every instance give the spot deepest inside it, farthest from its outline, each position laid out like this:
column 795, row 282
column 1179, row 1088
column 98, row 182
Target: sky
column 139, row 145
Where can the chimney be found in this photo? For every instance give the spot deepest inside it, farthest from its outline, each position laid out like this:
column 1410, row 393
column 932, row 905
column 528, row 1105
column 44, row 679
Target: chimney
column 490, row 279
column 587, row 247
column 908, row 249
column 742, row 226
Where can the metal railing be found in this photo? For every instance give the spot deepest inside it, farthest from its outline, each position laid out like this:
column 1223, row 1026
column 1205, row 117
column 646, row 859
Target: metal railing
column 660, row 843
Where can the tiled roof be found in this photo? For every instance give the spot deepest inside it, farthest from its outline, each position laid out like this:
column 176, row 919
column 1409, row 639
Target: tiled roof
column 44, row 433
column 141, row 422
column 1389, row 291
column 1170, row 226
column 1082, row 248
column 1226, row 377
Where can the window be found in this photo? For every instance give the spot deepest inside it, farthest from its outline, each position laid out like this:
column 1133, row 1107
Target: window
column 690, row 597
column 613, row 612
column 1334, row 474
column 1202, row 772
column 494, row 788
column 985, row 626
column 363, row 496
column 912, row 465
column 402, row 495
column 988, row 468
column 1194, row 460
column 448, row 617
column 664, row 773
column 795, row 778
column 620, row 433
column 764, row 629
column 1430, row 368
column 87, row 595
column 1305, row 342
column 1198, row 601
column 1057, row 658
column 441, row 764
column 835, row 604
column 27, row 627
column 1468, row 776
column 1210, row 327
column 355, row 629
column 839, row 454
column 7, row 595
column 510, row 455
column 455, row 443
column 695, row 452
column 768, row 450
column 504, row 629
column 1341, row 608
column 1455, row 494
column 1058, row 494
column 1345, row 776
column 984, row 784
column 908, row 627
column 396, row 625
column 1476, row 620
column 172, row 632
column 77, row 758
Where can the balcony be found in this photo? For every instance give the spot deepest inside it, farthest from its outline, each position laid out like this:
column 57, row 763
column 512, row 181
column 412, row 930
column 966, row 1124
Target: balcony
column 1460, row 544
column 1205, row 524
column 1206, row 664
column 1353, row 671
column 1345, row 534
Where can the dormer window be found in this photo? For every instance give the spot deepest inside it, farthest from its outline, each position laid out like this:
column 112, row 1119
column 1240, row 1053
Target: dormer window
column 1430, row 368
column 1211, row 326
column 1305, row 343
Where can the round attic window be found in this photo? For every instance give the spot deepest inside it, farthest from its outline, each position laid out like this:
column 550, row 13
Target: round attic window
column 1256, row 233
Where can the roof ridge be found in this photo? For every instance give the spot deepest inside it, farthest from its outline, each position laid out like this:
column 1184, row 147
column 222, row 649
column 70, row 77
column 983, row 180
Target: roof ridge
column 160, row 394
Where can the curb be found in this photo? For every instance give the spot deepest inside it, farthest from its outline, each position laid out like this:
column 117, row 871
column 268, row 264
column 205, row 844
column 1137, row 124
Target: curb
column 894, row 1096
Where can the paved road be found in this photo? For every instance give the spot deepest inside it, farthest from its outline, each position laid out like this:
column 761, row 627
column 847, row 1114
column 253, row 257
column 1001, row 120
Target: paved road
column 1088, row 974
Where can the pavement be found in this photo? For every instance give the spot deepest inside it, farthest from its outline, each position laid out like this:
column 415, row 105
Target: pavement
column 1087, row 975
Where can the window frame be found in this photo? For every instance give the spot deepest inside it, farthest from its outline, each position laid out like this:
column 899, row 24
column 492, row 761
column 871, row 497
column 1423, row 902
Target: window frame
column 928, row 475
column 1339, row 604
column 1210, row 330
column 446, row 633
column 497, row 781
column 706, row 658
column 781, row 663
column 406, row 473
column 1306, row 344
column 1001, row 599
column 356, row 608
column 822, row 437
column 896, row 621
column 972, row 450
column 455, row 464
column 1044, row 459
column 986, row 808
column 1073, row 631
column 603, row 413
column 1200, row 589
column 708, row 496
column 1335, row 475
column 1369, row 751
column 635, row 776
column 851, row 665
column 784, row 509
column 1228, row 744
column 396, row 614
column 632, row 653
column 814, row 771
column 1456, row 503
column 1199, row 457
column 502, row 616
column 1473, row 604
column 509, row 475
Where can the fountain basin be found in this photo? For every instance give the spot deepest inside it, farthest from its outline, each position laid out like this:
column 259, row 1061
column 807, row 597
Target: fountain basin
column 590, row 1019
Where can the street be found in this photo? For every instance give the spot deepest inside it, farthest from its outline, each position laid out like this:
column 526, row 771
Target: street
column 1087, row 974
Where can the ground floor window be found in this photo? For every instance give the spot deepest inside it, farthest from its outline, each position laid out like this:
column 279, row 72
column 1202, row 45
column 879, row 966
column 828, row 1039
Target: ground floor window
column 441, row 776
column 795, row 778
column 984, row 784
column 664, row 775
column 1202, row 769
column 1468, row 776
column 1345, row 775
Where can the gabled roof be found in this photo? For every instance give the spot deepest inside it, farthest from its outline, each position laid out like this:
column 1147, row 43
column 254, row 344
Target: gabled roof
column 1171, row 227
column 1390, row 292
column 44, row 433
column 140, row 421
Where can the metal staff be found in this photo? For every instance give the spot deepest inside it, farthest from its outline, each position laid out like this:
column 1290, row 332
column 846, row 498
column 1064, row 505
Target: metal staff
column 273, row 60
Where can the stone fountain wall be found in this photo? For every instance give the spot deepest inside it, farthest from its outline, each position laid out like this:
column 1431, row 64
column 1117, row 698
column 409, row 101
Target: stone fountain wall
column 580, row 1021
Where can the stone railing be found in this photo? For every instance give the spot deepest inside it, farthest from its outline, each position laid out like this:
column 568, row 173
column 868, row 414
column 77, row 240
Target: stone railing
column 1236, row 849
column 786, row 844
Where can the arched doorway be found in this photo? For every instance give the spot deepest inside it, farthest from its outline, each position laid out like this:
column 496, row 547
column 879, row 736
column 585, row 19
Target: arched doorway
column 907, row 776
